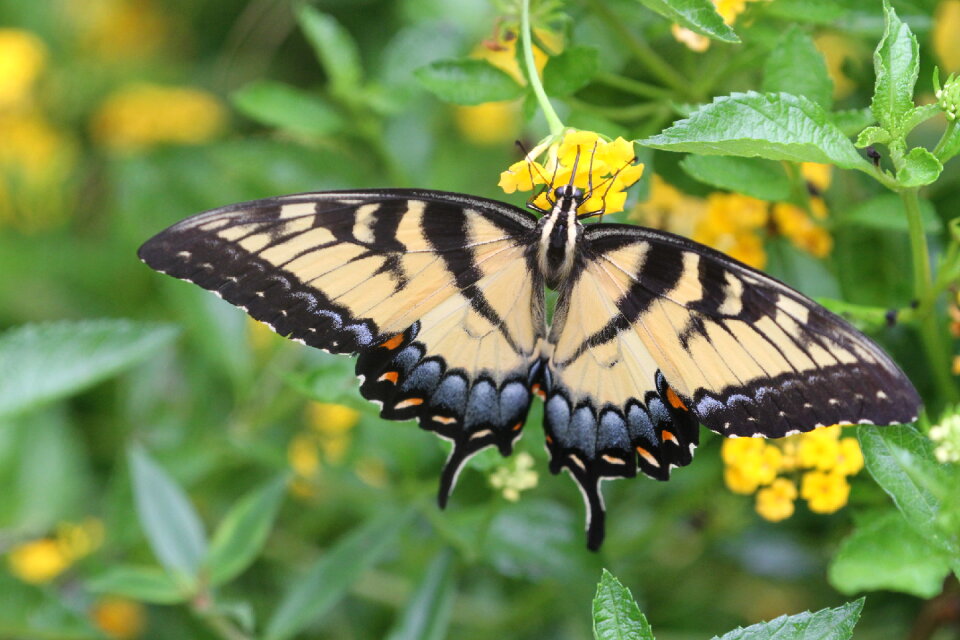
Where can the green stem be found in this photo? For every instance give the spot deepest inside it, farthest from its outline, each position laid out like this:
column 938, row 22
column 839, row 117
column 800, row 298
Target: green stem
column 553, row 120
column 930, row 332
column 944, row 139
column 633, row 112
column 641, row 50
column 629, row 85
column 217, row 621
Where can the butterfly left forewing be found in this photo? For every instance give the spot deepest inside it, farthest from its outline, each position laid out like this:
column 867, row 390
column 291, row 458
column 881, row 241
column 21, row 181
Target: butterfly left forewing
column 432, row 289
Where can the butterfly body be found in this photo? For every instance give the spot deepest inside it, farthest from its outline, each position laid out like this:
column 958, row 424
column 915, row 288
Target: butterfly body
column 442, row 297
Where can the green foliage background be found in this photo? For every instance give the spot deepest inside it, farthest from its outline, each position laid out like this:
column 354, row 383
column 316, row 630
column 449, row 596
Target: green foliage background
column 145, row 402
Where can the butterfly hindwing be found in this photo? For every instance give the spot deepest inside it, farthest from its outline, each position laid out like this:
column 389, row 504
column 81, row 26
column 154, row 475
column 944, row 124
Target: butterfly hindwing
column 432, row 289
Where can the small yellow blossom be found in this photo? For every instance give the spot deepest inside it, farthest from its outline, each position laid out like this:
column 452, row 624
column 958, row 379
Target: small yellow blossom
column 817, row 174
column 119, row 618
column 689, row 38
column 118, row 31
column 838, row 51
column 740, row 479
column 332, row 423
column 825, row 491
column 514, row 476
column 490, row 123
column 141, row 115
column 604, row 169
column 738, row 451
column 794, row 223
column 731, row 223
column 946, row 26
column 331, row 419
column 303, row 455
column 42, row 560
column 849, row 457
column 22, row 59
column 729, row 10
column 775, row 503
column 669, row 209
column 819, row 449
column 38, row 561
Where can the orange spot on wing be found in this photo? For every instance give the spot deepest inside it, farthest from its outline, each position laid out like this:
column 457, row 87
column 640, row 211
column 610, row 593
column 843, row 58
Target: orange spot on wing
column 390, row 376
column 409, row 402
column 539, row 391
column 649, row 457
column 666, row 435
column 518, row 426
column 393, row 342
column 675, row 400
column 549, row 440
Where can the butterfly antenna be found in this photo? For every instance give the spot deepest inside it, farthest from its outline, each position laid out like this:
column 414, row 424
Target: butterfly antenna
column 526, row 157
column 609, row 182
column 573, row 172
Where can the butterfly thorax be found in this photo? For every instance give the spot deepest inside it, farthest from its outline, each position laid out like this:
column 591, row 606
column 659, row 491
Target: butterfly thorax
column 559, row 232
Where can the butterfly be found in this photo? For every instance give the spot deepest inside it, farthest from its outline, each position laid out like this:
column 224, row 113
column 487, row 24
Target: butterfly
column 441, row 296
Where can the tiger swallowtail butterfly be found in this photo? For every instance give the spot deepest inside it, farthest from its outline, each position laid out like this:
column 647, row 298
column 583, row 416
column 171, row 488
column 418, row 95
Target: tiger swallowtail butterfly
column 441, row 295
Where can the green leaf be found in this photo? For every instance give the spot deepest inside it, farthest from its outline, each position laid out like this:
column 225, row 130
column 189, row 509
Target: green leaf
column 468, row 82
column 279, row 105
column 143, row 584
column 171, row 525
column 335, row 49
column 852, row 121
column 697, row 15
column 901, row 460
column 326, row 581
column 920, row 114
column 810, row 11
column 427, row 614
column 896, row 64
column 776, row 126
column 952, row 146
column 886, row 212
column 796, row 66
column 570, row 71
column 872, row 135
column 40, row 363
column 826, row 624
column 886, row 553
column 243, row 531
column 920, row 167
column 755, row 177
column 616, row 615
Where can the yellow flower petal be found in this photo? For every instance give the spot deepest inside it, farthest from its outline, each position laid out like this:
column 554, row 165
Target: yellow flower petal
column 824, row 492
column 119, row 618
column 775, row 503
column 38, row 561
column 691, row 39
column 849, row 457
column 22, row 58
column 946, row 35
column 490, row 123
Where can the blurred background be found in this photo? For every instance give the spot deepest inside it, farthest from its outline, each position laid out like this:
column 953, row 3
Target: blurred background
column 120, row 117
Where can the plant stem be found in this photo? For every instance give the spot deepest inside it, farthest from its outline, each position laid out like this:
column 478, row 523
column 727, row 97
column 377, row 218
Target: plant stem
column 553, row 120
column 944, row 139
column 930, row 333
column 629, row 85
column 641, row 50
column 632, row 112
column 217, row 621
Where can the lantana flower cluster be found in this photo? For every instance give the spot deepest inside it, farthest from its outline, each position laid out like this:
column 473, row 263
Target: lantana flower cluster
column 946, row 437
column 604, row 170
column 819, row 461
column 737, row 224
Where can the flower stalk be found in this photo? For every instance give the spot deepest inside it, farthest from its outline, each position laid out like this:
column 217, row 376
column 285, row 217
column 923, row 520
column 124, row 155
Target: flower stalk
column 553, row 120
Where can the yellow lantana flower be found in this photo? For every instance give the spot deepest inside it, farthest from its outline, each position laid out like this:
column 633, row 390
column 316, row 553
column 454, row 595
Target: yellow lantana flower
column 119, row 618
column 142, row 115
column 604, row 169
column 731, row 223
column 946, row 26
column 825, row 491
column 729, row 10
column 821, row 457
column 493, row 123
column 775, row 503
column 22, row 58
column 838, row 51
column 120, row 30
column 332, row 423
column 38, row 561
